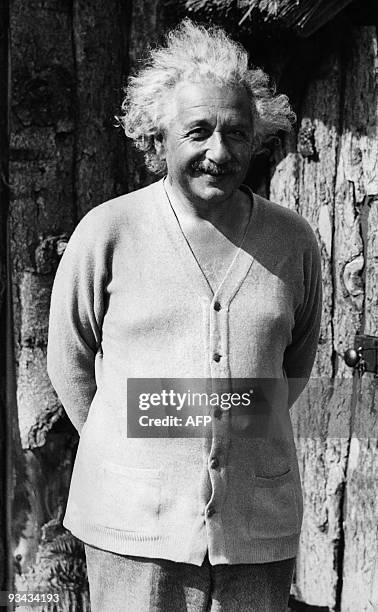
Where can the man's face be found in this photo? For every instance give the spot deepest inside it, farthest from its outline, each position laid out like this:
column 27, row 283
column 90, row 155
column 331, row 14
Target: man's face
column 207, row 145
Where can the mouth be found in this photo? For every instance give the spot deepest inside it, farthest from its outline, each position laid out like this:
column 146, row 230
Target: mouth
column 213, row 175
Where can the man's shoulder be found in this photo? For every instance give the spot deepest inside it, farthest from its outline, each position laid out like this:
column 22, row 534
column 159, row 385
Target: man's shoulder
column 123, row 207
column 286, row 224
column 106, row 222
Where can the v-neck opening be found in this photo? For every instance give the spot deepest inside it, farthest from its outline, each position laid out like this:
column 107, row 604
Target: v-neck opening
column 240, row 263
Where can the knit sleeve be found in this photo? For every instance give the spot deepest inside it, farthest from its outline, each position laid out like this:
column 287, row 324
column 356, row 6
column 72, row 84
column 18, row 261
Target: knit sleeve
column 300, row 354
column 76, row 313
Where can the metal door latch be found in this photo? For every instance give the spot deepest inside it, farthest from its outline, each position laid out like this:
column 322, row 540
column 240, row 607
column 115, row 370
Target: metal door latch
column 364, row 356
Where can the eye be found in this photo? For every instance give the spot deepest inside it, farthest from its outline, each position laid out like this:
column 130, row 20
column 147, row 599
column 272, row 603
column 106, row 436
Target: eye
column 198, row 133
column 239, row 134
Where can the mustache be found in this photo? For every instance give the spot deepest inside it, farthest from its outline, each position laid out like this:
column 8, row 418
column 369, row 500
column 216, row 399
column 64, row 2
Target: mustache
column 209, row 167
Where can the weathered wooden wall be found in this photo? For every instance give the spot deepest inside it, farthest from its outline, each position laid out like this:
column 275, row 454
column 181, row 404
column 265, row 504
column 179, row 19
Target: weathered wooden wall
column 4, row 452
column 358, row 171
column 70, row 61
column 329, row 174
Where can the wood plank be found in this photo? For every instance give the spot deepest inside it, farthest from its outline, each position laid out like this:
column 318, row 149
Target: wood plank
column 100, row 31
column 42, row 209
column 69, row 63
column 321, row 455
column 5, row 420
column 360, row 570
column 356, row 310
column 145, row 30
column 60, row 103
column 305, row 181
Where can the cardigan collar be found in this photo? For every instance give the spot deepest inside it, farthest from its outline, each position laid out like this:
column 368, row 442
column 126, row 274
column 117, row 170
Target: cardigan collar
column 239, row 266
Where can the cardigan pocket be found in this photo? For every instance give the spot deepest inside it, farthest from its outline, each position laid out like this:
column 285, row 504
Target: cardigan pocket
column 275, row 508
column 262, row 481
column 129, row 498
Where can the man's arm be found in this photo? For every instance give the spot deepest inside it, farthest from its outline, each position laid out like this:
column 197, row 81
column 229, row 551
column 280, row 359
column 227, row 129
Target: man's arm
column 300, row 355
column 76, row 313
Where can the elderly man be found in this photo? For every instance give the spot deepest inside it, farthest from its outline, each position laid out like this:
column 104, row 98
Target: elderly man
column 191, row 278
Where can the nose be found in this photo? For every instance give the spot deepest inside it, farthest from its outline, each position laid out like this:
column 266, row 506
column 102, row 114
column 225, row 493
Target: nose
column 218, row 151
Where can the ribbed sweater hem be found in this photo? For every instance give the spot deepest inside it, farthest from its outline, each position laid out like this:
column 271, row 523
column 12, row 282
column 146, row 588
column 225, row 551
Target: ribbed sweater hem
column 177, row 548
column 137, row 544
column 262, row 550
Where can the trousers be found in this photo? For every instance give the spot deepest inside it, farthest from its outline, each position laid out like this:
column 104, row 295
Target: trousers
column 121, row 583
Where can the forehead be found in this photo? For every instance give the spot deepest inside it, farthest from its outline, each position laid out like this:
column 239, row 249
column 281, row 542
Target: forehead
column 210, row 101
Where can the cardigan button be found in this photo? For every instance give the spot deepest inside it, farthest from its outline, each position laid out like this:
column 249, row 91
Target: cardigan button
column 217, row 357
column 214, row 463
column 217, row 306
column 210, row 511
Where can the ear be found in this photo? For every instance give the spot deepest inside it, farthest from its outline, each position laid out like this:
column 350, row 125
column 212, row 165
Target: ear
column 159, row 146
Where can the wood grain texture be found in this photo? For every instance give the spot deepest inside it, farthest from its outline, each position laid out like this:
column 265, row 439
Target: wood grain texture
column 69, row 62
column 41, row 181
column 146, row 29
column 5, row 425
column 322, row 457
column 307, row 184
column 100, row 38
column 357, row 180
column 360, row 567
column 332, row 183
column 42, row 134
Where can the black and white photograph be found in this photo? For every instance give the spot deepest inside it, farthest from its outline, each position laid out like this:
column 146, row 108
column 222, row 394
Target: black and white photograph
column 189, row 305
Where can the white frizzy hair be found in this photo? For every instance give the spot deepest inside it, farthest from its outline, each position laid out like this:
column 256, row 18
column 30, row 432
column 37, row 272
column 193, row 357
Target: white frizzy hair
column 195, row 54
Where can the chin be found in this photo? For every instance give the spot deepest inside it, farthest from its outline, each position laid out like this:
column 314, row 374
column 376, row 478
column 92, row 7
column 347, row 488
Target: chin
column 216, row 192
column 226, row 184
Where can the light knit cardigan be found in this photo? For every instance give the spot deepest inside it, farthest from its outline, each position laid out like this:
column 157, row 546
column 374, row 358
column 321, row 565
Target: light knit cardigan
column 130, row 301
